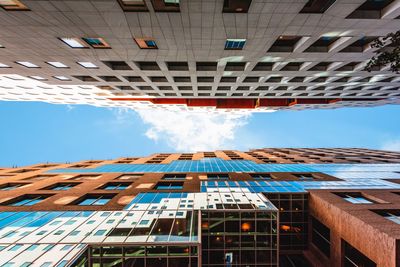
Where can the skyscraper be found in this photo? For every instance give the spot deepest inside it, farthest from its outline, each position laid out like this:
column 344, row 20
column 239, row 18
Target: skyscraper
column 231, row 54
column 265, row 207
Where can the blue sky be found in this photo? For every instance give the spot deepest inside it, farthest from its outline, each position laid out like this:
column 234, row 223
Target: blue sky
column 34, row 132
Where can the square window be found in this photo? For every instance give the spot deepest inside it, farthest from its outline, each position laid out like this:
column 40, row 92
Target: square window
column 74, row 42
column 62, row 78
column 96, row 42
column 57, row 64
column 261, row 176
column 4, row 66
column 235, row 44
column 88, row 65
column 27, row 64
column 146, row 43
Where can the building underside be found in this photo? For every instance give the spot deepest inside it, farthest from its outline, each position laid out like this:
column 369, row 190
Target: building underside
column 213, row 55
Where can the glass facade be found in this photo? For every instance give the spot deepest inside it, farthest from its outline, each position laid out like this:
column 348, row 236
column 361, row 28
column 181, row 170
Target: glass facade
column 245, row 238
column 293, row 220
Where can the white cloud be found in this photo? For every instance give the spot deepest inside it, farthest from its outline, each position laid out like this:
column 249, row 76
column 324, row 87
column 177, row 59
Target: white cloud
column 393, row 145
column 193, row 131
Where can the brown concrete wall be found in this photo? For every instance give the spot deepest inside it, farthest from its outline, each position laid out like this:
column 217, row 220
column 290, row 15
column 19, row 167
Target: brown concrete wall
column 370, row 233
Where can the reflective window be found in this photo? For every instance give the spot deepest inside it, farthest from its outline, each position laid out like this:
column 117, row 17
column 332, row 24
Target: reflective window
column 26, row 200
column 94, row 200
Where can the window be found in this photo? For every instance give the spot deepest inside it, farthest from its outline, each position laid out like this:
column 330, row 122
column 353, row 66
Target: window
column 169, row 186
column 234, row 44
column 4, row 66
column 115, row 186
column 57, row 64
column 218, row 176
column 354, row 197
column 39, row 78
column 13, row 5
column 263, row 66
column 27, row 64
column 359, row 46
column 61, row 186
column 177, row 66
column 235, row 66
column 62, row 78
column 370, row 9
column 392, row 215
column 285, row 43
column 304, row 176
column 74, row 42
column 26, row 200
column 261, row 176
column 292, row 66
column 147, row 65
column 86, row 78
column 322, row 66
column 323, row 44
column 236, row 6
column 88, row 65
column 130, row 176
column 174, row 177
column 317, row 6
column 97, row 42
column 320, row 237
column 117, row 65
column 11, row 186
column 206, row 66
column 94, row 200
column 352, row 257
column 133, row 5
column 166, row 5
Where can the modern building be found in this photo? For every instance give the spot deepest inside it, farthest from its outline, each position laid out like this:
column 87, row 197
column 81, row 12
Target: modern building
column 213, row 54
column 265, row 207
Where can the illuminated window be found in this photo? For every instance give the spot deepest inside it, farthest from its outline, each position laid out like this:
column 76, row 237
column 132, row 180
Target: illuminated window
column 234, row 44
column 4, row 66
column 39, row 78
column 12, row 5
column 88, row 65
column 57, row 64
column 145, row 43
column 27, row 64
column 97, row 42
column 74, row 42
column 62, row 78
